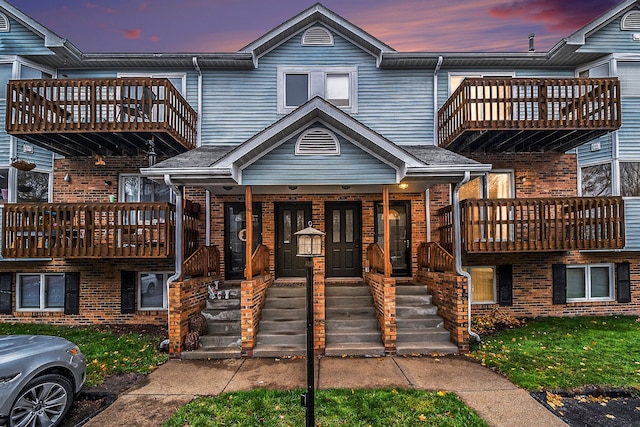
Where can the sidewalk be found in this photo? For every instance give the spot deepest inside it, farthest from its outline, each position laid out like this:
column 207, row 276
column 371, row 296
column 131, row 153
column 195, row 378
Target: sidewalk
column 175, row 383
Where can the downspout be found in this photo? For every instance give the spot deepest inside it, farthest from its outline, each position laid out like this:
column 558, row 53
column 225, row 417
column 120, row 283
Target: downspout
column 457, row 246
column 178, row 239
column 427, row 194
column 207, row 218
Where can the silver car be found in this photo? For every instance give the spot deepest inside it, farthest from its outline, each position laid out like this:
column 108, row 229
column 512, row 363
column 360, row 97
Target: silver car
column 39, row 379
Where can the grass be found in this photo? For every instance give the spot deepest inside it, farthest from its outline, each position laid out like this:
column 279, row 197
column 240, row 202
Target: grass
column 107, row 353
column 570, row 353
column 334, row 407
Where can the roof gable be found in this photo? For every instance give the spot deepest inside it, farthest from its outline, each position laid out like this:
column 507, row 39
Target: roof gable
column 308, row 18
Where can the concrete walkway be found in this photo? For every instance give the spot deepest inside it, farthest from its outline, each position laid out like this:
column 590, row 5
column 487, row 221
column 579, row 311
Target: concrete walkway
column 175, row 383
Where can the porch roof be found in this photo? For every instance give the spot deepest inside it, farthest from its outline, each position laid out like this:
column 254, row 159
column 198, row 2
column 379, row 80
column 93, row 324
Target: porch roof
column 217, row 166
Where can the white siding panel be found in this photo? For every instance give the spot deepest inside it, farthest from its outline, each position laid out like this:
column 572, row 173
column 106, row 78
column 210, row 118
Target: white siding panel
column 632, row 224
column 605, row 153
column 628, row 134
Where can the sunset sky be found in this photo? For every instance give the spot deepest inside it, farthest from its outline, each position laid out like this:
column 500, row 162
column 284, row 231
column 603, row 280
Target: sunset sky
column 228, row 25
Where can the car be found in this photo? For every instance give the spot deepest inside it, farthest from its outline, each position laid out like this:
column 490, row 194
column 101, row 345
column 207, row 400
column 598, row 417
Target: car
column 149, row 284
column 40, row 376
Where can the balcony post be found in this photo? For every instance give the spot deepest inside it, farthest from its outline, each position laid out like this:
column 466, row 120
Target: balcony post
column 386, row 230
column 248, row 205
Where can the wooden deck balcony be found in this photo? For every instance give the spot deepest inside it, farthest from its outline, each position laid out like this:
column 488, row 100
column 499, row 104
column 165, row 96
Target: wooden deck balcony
column 537, row 225
column 94, row 230
column 84, row 117
column 528, row 114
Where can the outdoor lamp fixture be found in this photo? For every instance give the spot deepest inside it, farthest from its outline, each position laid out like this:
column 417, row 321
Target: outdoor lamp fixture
column 309, row 246
column 403, row 185
column 151, row 154
column 67, row 177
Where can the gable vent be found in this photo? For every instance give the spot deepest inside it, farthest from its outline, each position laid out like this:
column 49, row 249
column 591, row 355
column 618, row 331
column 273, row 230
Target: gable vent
column 631, row 21
column 317, row 141
column 4, row 23
column 317, row 36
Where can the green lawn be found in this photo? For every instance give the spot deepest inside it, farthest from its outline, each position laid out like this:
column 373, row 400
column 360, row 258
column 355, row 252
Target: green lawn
column 107, row 353
column 382, row 408
column 567, row 353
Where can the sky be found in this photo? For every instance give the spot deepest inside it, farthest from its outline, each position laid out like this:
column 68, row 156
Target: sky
column 228, row 25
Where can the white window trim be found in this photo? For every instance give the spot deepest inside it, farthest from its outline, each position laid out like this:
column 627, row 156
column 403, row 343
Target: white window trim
column 477, row 75
column 181, row 76
column 618, row 183
column 42, row 294
column 587, row 284
column 317, row 79
column 615, row 187
column 495, row 283
column 165, row 291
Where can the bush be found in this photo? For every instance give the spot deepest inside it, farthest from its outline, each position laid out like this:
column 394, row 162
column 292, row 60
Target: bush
column 497, row 321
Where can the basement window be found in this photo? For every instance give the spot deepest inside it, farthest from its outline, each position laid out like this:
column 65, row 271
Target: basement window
column 483, row 284
column 40, row 292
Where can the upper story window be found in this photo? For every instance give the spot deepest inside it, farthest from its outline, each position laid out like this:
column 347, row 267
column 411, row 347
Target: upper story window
column 493, row 185
column 595, row 180
column 296, row 85
column 178, row 80
column 317, row 36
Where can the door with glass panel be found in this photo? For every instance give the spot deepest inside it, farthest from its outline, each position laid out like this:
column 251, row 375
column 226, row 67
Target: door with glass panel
column 235, row 237
column 290, row 218
column 399, row 236
column 343, row 245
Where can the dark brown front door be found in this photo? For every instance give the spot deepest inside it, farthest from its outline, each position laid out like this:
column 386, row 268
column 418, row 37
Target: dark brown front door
column 290, row 218
column 400, row 235
column 343, row 240
column 235, row 232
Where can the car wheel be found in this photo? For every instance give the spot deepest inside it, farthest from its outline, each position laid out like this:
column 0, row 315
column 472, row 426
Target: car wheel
column 43, row 402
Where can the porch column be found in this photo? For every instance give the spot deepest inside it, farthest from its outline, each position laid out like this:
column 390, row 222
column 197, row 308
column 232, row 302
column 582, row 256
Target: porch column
column 386, row 230
column 248, row 205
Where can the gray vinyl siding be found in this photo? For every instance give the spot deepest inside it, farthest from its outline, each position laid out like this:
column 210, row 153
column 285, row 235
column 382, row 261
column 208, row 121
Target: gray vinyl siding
column 21, row 41
column 629, row 142
column 632, row 223
column 611, row 39
column 394, row 103
column 605, row 154
column 353, row 166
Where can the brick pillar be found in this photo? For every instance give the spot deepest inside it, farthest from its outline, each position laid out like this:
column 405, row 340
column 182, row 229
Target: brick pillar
column 319, row 337
column 390, row 332
column 177, row 329
column 247, row 332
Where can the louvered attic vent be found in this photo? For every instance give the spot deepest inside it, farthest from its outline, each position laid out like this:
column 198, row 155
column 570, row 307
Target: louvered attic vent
column 4, row 23
column 317, row 141
column 631, row 21
column 317, row 36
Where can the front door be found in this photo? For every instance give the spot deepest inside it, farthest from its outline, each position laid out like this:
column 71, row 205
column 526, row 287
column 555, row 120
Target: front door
column 290, row 218
column 400, row 236
column 235, row 236
column 343, row 248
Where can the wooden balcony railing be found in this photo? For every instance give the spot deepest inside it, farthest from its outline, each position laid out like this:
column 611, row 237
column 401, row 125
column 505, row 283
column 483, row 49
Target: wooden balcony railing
column 205, row 261
column 541, row 225
column 57, row 114
column 86, row 230
column 375, row 258
column 528, row 114
column 260, row 261
column 433, row 257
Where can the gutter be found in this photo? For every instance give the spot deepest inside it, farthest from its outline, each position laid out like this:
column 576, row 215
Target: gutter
column 457, row 245
column 199, row 124
column 179, row 244
column 435, row 100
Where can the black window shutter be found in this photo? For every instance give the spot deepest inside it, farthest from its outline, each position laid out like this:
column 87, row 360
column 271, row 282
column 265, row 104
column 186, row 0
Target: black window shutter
column 623, row 279
column 72, row 293
column 505, row 284
column 128, row 292
column 559, row 284
column 6, row 296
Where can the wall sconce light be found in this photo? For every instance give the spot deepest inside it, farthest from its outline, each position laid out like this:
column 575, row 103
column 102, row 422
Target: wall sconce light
column 151, row 154
column 227, row 187
column 293, row 187
column 107, row 183
column 67, row 177
column 100, row 160
column 346, row 187
column 522, row 179
column 403, row 185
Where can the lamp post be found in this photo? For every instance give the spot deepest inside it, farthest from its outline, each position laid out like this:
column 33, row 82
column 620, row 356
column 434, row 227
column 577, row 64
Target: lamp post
column 309, row 246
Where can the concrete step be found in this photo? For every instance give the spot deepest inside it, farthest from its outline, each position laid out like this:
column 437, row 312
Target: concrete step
column 416, row 312
column 287, row 338
column 411, row 290
column 431, row 321
column 353, row 336
column 286, row 292
column 364, row 323
column 276, row 325
column 426, row 348
column 223, row 327
column 412, row 300
column 343, row 291
column 354, row 349
column 349, row 302
column 288, row 302
column 222, row 304
column 222, row 315
column 342, row 313
column 283, row 314
column 217, row 341
column 279, row 350
column 423, row 335
column 207, row 354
